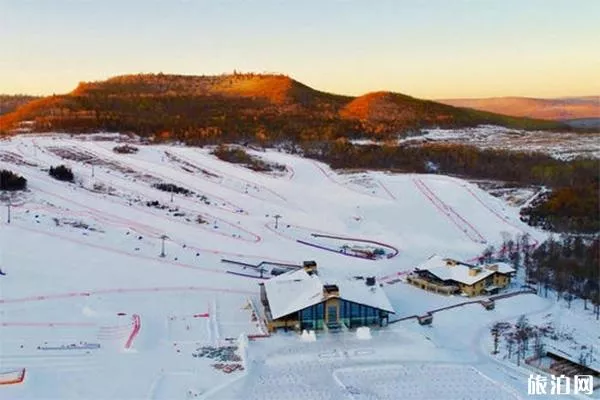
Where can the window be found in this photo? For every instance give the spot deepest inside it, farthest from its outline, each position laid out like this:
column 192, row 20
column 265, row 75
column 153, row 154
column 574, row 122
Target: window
column 343, row 312
column 305, row 315
column 332, row 315
column 307, row 325
column 320, row 311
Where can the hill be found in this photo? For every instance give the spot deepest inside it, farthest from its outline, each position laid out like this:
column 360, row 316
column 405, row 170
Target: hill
column 10, row 102
column 200, row 109
column 551, row 109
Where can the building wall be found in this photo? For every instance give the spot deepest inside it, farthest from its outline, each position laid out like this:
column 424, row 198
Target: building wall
column 317, row 316
column 474, row 289
column 332, row 303
column 443, row 288
column 501, row 280
column 289, row 322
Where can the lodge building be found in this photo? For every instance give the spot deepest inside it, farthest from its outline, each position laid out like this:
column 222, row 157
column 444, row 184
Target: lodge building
column 307, row 299
column 447, row 276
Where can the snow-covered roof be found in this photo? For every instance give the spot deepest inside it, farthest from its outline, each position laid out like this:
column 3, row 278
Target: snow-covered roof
column 504, row 268
column 447, row 269
column 296, row 290
column 564, row 352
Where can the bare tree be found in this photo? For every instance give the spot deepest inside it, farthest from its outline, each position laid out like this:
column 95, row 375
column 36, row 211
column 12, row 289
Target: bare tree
column 522, row 333
column 510, row 342
column 487, row 254
column 497, row 330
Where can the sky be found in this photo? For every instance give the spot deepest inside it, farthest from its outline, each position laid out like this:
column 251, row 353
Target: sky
column 424, row 48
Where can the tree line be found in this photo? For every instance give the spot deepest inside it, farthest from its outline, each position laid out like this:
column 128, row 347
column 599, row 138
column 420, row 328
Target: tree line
column 569, row 266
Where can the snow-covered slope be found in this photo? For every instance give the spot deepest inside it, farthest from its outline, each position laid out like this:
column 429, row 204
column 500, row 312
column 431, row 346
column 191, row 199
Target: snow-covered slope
column 83, row 268
column 560, row 145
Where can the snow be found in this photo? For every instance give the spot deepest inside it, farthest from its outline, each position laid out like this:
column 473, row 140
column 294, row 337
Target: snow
column 363, row 333
column 503, row 268
column 297, row 290
column 445, row 381
column 82, row 260
column 308, row 336
column 560, row 145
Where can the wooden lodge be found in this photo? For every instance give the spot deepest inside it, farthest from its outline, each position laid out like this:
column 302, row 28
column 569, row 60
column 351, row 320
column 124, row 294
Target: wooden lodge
column 447, row 276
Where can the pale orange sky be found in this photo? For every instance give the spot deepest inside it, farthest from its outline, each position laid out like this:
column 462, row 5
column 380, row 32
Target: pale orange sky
column 428, row 49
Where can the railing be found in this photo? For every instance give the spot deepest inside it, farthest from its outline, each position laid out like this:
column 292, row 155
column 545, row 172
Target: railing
column 433, row 287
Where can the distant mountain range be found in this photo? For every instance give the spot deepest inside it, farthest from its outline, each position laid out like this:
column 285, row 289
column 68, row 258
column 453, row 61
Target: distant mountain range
column 558, row 109
column 243, row 106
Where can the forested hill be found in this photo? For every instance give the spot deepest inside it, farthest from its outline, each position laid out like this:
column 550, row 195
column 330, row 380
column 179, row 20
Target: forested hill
column 200, row 109
column 10, row 102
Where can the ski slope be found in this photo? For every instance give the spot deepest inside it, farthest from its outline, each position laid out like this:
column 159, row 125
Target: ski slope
column 91, row 310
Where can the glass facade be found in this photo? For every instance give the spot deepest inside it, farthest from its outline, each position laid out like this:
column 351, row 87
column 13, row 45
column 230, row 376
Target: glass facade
column 350, row 314
column 312, row 317
column 354, row 315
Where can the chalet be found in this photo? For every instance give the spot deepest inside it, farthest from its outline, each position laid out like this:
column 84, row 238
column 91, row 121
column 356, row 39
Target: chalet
column 447, row 276
column 308, row 299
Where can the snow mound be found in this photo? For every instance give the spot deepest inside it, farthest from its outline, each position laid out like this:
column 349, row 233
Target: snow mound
column 308, row 336
column 89, row 312
column 242, row 341
column 363, row 333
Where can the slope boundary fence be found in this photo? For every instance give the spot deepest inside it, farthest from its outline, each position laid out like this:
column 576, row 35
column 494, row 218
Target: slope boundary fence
column 136, row 322
column 12, row 377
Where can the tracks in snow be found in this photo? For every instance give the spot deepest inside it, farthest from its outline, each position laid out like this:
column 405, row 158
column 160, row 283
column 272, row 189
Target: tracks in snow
column 329, row 176
column 163, row 289
column 460, row 222
column 229, row 181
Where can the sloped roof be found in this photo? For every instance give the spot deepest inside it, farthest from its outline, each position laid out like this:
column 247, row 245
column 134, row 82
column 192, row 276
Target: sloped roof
column 439, row 267
column 504, row 268
column 296, row 290
column 564, row 351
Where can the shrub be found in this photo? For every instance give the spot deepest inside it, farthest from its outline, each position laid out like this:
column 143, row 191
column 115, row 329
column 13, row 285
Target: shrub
column 232, row 155
column 11, row 181
column 379, row 251
column 169, row 187
column 125, row 149
column 62, row 173
column 240, row 156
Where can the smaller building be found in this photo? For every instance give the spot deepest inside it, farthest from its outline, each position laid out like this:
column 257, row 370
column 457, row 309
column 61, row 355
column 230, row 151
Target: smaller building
column 308, row 299
column 559, row 362
column 447, row 276
column 565, row 364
